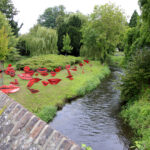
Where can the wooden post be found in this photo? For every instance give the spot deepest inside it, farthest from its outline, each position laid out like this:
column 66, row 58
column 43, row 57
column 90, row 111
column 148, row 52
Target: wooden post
column 1, row 73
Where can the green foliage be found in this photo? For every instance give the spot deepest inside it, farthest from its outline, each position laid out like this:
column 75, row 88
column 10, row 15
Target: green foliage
column 117, row 59
column 52, row 16
column 145, row 7
column 47, row 113
column 41, row 40
column 86, row 147
column 137, row 115
column 66, row 44
column 49, row 61
column 14, row 56
column 72, row 26
column 101, row 34
column 134, row 19
column 3, row 44
column 136, row 75
column 7, row 8
column 21, row 46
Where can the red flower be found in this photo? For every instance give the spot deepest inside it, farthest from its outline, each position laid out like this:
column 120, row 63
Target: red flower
column 32, row 81
column 57, row 69
column 9, row 65
column 33, row 91
column 53, row 73
column 26, row 69
column 54, row 81
column 15, row 83
column 9, row 88
column 44, row 73
column 67, row 67
column 45, row 83
column 36, row 74
column 41, row 70
column 80, row 64
column 87, row 61
column 24, row 76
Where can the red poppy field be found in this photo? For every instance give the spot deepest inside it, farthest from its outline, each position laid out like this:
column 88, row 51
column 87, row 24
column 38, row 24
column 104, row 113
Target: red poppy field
column 53, row 88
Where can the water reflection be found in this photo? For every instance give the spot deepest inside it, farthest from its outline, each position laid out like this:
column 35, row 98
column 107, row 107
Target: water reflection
column 93, row 119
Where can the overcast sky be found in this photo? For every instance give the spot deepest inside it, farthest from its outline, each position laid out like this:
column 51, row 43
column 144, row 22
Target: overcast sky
column 29, row 10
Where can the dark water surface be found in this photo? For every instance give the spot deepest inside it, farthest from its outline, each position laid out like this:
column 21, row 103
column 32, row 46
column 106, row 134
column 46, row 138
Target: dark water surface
column 93, row 119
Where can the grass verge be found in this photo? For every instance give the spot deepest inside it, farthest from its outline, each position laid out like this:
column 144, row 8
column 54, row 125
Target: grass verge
column 137, row 114
column 55, row 96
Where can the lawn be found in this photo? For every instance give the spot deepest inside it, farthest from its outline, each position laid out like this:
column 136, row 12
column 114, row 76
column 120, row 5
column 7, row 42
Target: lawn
column 84, row 80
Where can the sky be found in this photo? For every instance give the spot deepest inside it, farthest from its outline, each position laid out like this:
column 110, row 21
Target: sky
column 29, row 10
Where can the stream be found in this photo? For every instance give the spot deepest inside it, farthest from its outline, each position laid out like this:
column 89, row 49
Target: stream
column 94, row 119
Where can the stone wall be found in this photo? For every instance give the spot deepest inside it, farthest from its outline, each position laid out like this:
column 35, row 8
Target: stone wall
column 22, row 130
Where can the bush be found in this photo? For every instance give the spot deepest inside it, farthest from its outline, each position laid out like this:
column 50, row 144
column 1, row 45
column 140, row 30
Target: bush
column 14, row 56
column 47, row 113
column 50, row 61
column 136, row 75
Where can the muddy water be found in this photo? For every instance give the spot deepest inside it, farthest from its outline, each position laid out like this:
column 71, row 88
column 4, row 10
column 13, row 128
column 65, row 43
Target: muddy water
column 93, row 119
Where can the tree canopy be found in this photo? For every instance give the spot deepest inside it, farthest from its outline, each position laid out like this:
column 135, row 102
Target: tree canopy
column 101, row 33
column 41, row 40
column 134, row 19
column 7, row 8
column 7, row 40
column 52, row 16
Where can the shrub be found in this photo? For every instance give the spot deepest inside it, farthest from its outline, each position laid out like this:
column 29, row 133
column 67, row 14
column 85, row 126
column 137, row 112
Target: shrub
column 47, row 113
column 50, row 61
column 136, row 75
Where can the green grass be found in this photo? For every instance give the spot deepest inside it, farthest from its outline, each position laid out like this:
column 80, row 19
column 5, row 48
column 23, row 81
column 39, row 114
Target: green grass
column 138, row 117
column 117, row 59
column 56, row 95
column 50, row 61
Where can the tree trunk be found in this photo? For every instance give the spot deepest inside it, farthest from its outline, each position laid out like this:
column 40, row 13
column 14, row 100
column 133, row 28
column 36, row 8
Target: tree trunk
column 1, row 73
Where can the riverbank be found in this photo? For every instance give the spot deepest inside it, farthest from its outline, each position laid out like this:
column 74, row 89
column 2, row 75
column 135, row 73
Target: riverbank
column 53, row 97
column 137, row 115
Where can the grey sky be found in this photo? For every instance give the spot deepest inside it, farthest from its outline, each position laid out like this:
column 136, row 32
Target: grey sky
column 29, row 10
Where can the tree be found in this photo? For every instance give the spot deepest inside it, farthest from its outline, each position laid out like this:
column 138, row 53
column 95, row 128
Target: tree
column 3, row 44
column 102, row 32
column 145, row 7
column 7, row 41
column 133, row 20
column 72, row 26
column 7, row 8
column 66, row 44
column 41, row 40
column 52, row 16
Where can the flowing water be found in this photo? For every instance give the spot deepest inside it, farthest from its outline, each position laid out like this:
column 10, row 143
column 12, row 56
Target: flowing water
column 93, row 119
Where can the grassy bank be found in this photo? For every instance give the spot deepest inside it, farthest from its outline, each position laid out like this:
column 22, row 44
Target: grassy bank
column 45, row 103
column 137, row 114
column 117, row 59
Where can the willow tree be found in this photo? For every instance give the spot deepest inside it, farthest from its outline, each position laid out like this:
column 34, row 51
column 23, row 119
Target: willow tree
column 41, row 40
column 101, row 33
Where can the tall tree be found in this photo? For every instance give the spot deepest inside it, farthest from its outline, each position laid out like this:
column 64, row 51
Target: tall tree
column 41, row 40
column 134, row 19
column 7, row 42
column 66, row 44
column 7, row 8
column 52, row 16
column 101, row 34
column 72, row 26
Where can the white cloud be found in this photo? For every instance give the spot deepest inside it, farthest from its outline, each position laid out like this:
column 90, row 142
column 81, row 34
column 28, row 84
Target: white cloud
column 29, row 10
